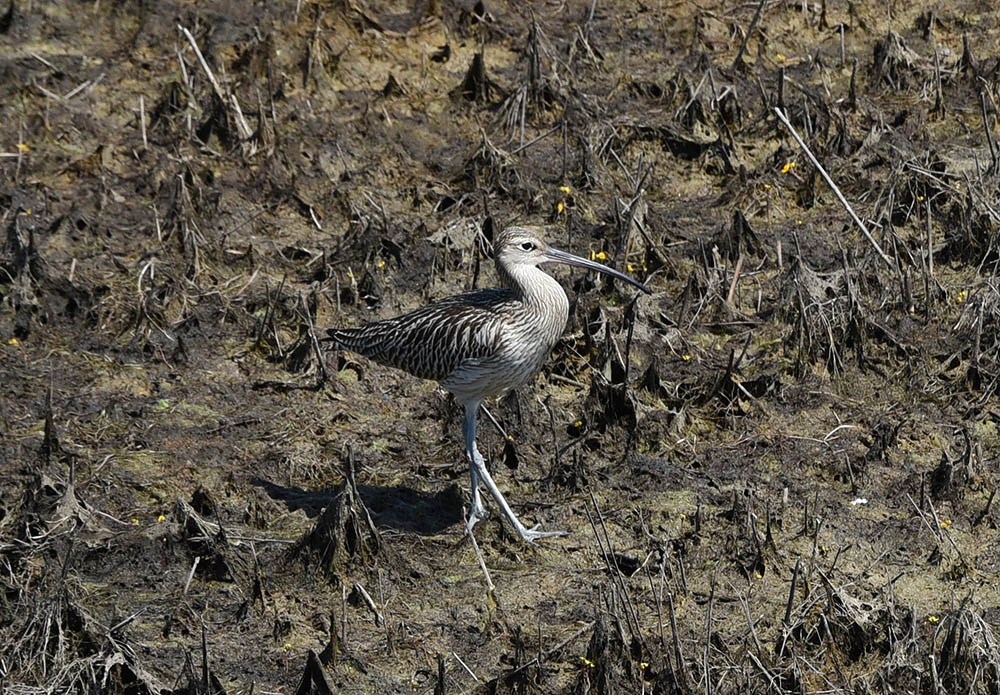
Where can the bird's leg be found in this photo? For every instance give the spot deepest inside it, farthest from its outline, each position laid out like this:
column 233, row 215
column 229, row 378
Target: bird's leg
column 477, row 511
column 478, row 470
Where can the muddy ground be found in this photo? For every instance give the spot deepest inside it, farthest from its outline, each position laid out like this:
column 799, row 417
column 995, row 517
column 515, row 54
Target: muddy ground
column 778, row 471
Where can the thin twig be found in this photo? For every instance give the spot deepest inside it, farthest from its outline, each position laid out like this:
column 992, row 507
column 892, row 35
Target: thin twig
column 746, row 37
column 482, row 563
column 369, row 602
column 142, row 121
column 204, row 64
column 496, row 423
column 553, row 650
column 840, row 196
column 241, row 123
column 467, row 669
column 531, row 142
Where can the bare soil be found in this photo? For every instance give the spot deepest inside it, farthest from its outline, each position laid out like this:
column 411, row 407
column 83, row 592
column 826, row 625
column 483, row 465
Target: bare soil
column 778, row 471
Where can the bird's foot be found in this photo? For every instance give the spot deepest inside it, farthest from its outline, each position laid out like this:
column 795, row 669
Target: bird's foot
column 530, row 535
column 476, row 514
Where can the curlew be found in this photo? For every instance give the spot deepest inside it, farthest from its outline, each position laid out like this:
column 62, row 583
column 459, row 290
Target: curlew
column 482, row 343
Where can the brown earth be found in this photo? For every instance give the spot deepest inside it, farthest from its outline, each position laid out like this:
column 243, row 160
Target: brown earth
column 778, row 470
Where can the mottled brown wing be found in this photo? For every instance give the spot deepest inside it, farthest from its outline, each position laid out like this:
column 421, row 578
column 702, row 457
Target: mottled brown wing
column 434, row 340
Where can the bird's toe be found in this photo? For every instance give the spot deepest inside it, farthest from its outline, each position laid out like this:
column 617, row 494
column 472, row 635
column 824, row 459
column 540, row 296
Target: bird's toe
column 530, row 535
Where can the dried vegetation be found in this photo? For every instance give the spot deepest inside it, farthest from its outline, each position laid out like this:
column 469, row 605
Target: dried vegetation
column 779, row 470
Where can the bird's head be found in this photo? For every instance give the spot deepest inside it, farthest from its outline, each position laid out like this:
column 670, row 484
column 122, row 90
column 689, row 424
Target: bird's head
column 520, row 246
column 517, row 246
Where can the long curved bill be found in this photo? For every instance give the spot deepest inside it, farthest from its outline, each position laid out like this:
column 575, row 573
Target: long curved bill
column 557, row 256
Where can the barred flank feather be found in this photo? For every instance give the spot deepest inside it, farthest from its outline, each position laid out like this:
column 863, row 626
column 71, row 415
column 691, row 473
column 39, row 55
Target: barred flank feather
column 434, row 340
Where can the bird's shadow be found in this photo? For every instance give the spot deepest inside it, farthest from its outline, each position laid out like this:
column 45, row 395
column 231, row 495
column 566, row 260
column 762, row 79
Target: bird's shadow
column 396, row 507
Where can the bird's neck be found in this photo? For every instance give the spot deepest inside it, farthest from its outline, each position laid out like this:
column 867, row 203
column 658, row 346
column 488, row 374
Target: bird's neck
column 539, row 292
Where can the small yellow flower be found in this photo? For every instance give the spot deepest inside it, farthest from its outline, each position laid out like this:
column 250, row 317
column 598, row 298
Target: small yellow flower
column 381, row 263
column 798, row 221
column 961, row 296
column 560, row 207
column 586, row 662
column 578, row 423
column 288, row 645
column 510, row 437
column 350, row 275
column 758, row 575
column 160, row 519
column 135, row 522
column 565, row 189
column 920, row 198
column 932, row 619
column 946, row 523
column 788, row 167
column 598, row 255
column 781, row 57
column 628, row 267
column 686, row 358
column 21, row 147
column 644, row 664
column 12, row 341
column 767, row 186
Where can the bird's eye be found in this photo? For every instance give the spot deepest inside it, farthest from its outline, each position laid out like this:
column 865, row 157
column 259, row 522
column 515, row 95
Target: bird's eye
column 528, row 246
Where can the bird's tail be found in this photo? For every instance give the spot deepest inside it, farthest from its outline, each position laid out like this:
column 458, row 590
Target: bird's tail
column 331, row 337
column 335, row 336
column 345, row 338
